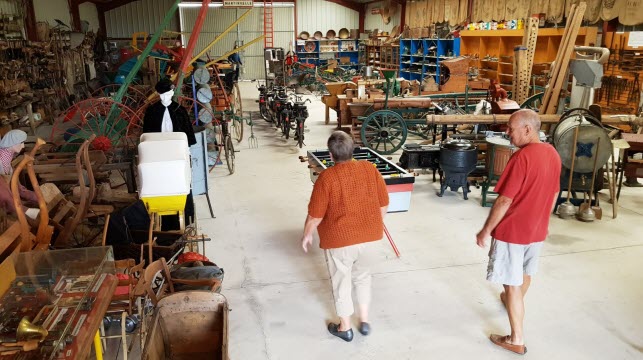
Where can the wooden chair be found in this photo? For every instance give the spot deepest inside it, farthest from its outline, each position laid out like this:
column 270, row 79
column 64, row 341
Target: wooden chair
column 167, row 286
column 42, row 239
column 84, row 209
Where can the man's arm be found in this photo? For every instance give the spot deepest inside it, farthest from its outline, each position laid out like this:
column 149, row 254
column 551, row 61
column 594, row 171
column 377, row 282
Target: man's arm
column 553, row 205
column 309, row 228
column 384, row 209
column 498, row 211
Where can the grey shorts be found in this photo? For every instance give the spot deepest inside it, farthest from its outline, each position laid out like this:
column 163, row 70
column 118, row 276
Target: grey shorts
column 508, row 262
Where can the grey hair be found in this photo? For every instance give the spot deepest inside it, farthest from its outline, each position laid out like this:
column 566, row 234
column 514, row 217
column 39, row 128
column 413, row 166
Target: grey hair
column 340, row 146
column 528, row 117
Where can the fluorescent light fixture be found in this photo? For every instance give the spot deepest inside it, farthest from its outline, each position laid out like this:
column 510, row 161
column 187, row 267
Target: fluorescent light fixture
column 218, row 5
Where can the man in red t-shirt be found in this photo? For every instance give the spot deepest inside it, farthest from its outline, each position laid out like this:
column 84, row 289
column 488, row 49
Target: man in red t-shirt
column 519, row 219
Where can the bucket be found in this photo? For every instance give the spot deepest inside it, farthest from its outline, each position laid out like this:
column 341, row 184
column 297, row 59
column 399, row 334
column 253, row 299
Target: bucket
column 501, row 149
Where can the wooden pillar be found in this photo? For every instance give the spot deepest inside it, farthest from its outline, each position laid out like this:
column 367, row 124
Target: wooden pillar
column 403, row 17
column 295, row 15
column 75, row 14
column 327, row 118
column 30, row 21
column 102, row 24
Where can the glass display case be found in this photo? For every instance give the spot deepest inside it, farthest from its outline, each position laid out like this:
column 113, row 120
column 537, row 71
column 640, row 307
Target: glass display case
column 48, row 299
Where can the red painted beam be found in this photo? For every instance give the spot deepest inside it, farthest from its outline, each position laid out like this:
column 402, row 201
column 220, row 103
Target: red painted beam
column 194, row 36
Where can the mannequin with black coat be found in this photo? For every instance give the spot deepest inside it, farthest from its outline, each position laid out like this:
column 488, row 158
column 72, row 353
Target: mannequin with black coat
column 153, row 120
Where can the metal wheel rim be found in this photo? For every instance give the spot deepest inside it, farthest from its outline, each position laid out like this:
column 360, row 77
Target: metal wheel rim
column 384, row 132
column 229, row 154
column 264, row 113
column 90, row 117
column 238, row 112
column 533, row 102
column 286, row 128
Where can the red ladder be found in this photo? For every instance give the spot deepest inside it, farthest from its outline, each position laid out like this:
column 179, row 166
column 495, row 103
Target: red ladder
column 268, row 25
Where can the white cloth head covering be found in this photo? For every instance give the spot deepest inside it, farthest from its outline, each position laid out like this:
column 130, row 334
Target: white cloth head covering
column 13, row 137
column 166, row 100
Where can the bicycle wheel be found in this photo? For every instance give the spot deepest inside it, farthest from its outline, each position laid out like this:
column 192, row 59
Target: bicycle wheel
column 263, row 110
column 237, row 128
column 300, row 133
column 286, row 127
column 237, row 122
column 229, row 153
column 276, row 117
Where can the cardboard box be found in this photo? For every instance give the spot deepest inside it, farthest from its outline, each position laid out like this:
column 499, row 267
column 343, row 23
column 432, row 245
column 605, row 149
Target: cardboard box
column 345, row 60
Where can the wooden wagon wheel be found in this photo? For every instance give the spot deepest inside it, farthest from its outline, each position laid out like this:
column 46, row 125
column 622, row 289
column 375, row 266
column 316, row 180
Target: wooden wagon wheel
column 533, row 102
column 384, row 131
column 228, row 148
column 237, row 107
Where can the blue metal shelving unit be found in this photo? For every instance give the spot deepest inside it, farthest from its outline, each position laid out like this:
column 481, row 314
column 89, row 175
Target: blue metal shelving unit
column 420, row 58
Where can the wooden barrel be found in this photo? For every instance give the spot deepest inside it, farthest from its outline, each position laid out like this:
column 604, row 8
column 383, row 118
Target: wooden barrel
column 501, row 149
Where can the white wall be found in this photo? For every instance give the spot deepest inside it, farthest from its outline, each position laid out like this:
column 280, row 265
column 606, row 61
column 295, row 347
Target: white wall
column 372, row 22
column 48, row 10
column 142, row 15
column 318, row 15
column 8, row 7
column 88, row 12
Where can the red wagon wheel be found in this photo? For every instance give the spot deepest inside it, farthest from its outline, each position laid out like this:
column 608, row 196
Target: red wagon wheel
column 113, row 129
column 133, row 98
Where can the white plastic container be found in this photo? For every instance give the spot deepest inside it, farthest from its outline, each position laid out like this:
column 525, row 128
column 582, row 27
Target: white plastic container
column 164, row 165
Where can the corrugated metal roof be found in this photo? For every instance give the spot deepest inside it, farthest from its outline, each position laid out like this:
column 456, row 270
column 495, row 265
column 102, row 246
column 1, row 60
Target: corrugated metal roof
column 315, row 15
column 142, row 15
column 9, row 7
column 250, row 28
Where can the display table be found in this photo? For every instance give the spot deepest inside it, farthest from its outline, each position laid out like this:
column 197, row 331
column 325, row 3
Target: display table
column 399, row 182
column 64, row 294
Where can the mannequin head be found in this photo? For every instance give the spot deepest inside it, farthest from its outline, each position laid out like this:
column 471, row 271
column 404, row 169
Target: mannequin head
column 14, row 140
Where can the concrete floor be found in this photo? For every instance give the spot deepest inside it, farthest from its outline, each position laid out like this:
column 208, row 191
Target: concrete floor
column 432, row 302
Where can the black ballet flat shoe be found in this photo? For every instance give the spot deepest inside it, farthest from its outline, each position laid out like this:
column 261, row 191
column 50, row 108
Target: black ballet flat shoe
column 364, row 328
column 344, row 335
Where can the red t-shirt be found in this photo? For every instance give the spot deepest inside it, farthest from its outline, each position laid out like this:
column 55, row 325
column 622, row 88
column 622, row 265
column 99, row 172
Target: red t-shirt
column 531, row 179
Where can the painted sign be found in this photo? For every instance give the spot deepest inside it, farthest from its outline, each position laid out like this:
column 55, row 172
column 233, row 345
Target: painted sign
column 237, row 3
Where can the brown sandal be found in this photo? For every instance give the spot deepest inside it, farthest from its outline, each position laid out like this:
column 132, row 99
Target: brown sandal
column 503, row 342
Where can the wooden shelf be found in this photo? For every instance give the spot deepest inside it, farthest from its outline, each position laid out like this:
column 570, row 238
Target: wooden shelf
column 500, row 44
